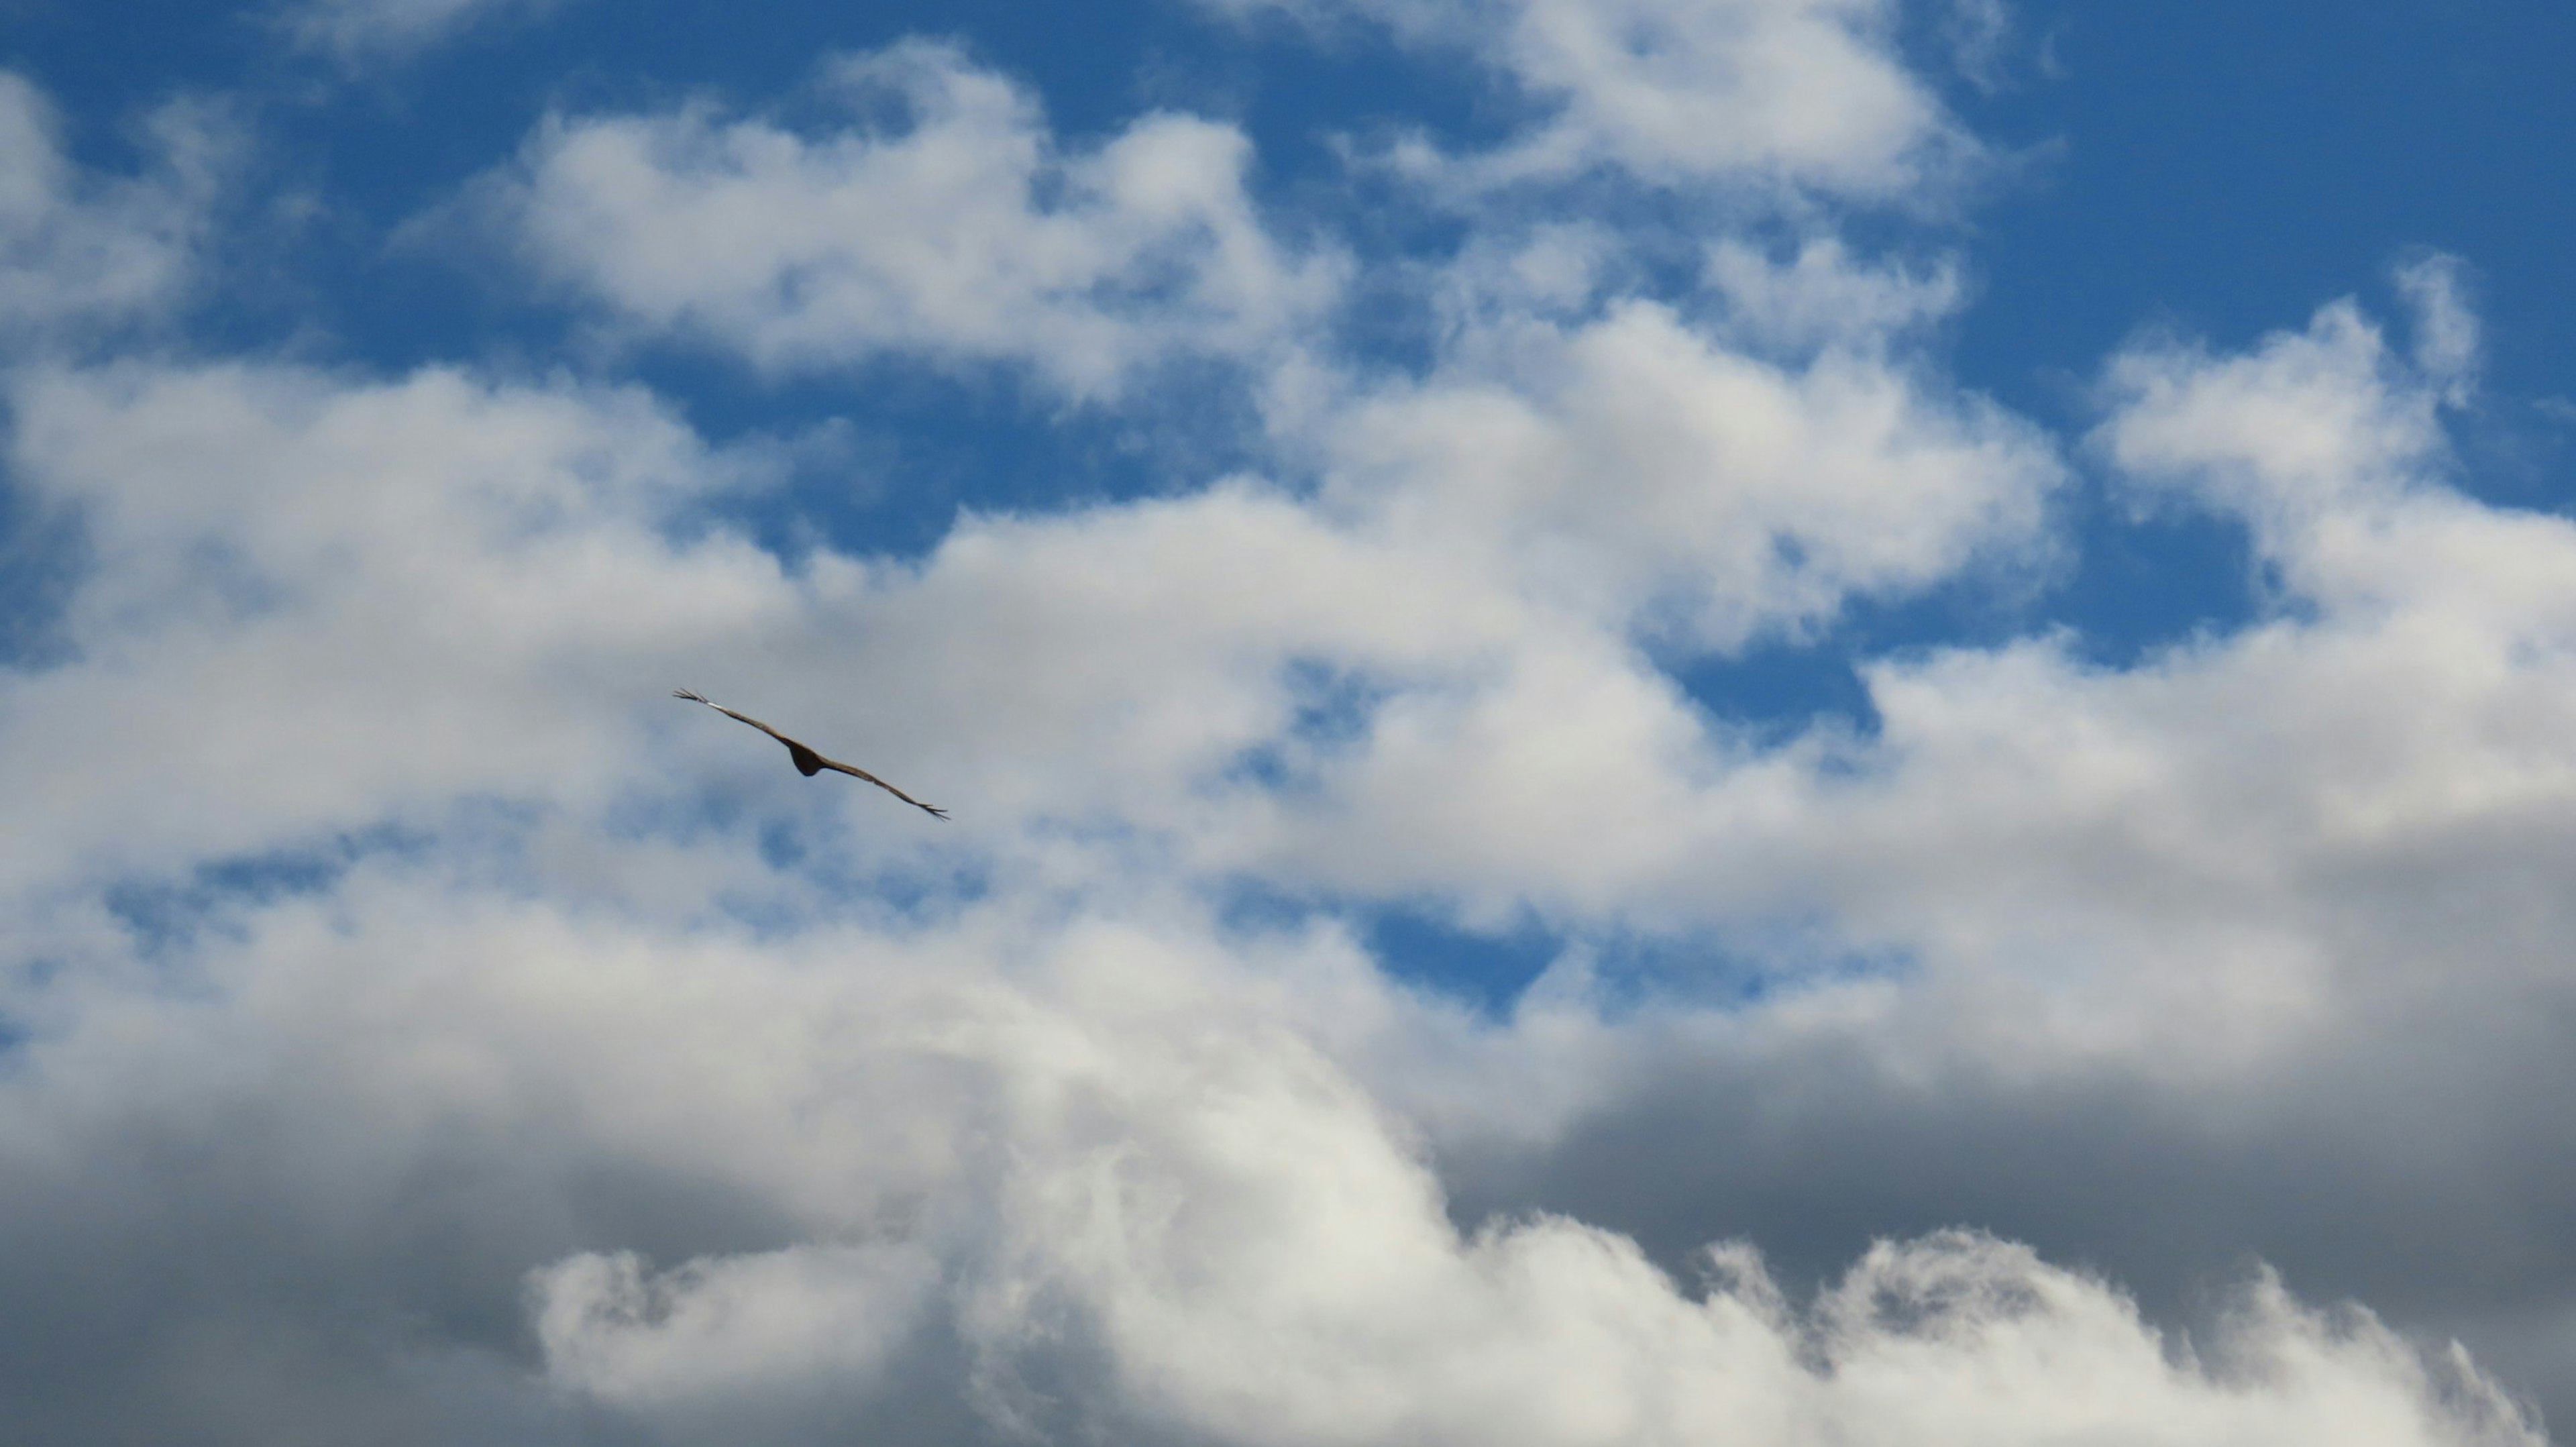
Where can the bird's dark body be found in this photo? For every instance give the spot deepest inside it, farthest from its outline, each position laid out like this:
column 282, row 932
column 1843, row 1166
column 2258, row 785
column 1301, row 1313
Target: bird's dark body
column 808, row 762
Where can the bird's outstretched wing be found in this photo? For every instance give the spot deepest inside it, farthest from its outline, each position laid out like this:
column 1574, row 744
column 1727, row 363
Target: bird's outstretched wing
column 695, row 697
column 808, row 762
column 855, row 772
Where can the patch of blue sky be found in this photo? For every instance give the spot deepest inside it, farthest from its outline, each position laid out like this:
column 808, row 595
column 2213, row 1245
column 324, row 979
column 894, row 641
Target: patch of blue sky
column 1486, row 971
column 103, row 67
column 2210, row 167
column 1418, row 942
column 1490, row 969
column 2133, row 581
column 44, row 553
column 2151, row 578
column 886, row 456
column 810, row 891
column 1618, row 974
column 1775, row 691
column 168, row 916
column 1330, row 712
column 819, row 860
column 843, row 858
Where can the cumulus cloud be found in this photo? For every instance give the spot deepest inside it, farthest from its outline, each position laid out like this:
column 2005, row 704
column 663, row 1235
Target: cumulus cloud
column 1081, row 1157
column 1633, row 462
column 1084, row 1175
column 963, row 234
column 1255, row 1260
column 1825, row 294
column 2264, row 909
column 2410, row 681
column 1806, row 93
column 420, row 1028
column 2309, row 425
column 419, row 552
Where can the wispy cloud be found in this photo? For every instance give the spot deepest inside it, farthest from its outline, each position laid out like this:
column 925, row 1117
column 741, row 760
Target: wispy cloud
column 1803, row 93
column 363, row 31
column 81, row 251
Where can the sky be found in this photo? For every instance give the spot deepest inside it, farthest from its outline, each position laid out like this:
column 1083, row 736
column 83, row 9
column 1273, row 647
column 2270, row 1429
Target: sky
column 1772, row 721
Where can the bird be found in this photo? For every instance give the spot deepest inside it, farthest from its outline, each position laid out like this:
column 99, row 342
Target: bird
column 808, row 762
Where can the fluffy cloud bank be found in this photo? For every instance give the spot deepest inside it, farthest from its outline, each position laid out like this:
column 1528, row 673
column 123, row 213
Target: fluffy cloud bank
column 421, row 1028
column 1079, row 1177
column 962, row 235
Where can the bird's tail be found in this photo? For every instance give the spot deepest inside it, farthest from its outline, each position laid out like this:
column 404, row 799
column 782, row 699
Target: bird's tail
column 693, row 696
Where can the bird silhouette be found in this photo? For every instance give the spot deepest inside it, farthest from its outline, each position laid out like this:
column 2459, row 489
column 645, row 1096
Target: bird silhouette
column 808, row 762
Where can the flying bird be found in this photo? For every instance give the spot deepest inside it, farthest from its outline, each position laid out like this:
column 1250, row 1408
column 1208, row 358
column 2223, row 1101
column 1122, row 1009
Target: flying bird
column 808, row 762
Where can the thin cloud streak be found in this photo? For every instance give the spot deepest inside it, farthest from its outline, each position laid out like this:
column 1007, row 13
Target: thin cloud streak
column 360, row 33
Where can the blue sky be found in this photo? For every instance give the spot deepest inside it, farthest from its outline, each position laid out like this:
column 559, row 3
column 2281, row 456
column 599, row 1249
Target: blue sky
column 1662, row 714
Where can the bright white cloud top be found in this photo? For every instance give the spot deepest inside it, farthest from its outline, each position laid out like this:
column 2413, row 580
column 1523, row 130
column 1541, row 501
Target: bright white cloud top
column 411, row 1031
column 959, row 235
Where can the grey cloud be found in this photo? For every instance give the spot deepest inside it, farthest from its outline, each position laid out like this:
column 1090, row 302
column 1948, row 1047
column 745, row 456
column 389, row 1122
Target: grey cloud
column 1102, row 1190
column 2417, row 1170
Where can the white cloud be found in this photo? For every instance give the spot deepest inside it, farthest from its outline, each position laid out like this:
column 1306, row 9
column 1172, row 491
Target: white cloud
column 2446, row 330
column 1160, row 1173
column 2310, row 431
column 1824, row 294
column 744, row 1324
column 1806, row 93
column 400, row 973
column 1089, row 1172
column 1257, row 1262
column 82, row 250
column 360, row 30
column 1476, row 570
column 1977, row 32
column 439, row 562
column 1630, row 464
column 963, row 236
